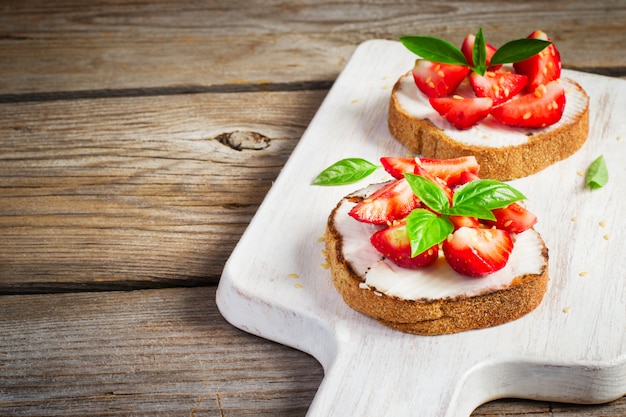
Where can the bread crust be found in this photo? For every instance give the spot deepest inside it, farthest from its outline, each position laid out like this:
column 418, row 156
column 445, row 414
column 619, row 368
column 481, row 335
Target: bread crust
column 433, row 317
column 543, row 149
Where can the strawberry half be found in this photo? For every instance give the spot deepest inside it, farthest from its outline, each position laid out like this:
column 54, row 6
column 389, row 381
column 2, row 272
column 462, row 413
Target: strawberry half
column 477, row 252
column 499, row 85
column 467, row 48
column 438, row 80
column 462, row 113
column 392, row 201
column 514, row 218
column 396, row 167
column 450, row 170
column 393, row 242
column 540, row 68
column 541, row 108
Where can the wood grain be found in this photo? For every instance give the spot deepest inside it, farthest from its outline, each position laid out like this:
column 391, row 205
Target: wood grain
column 163, row 353
column 134, row 193
column 54, row 46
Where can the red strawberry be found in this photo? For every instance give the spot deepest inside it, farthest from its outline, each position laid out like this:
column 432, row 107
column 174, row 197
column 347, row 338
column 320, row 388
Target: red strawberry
column 462, row 113
column 464, row 221
column 398, row 166
column 450, row 170
column 420, row 170
column 468, row 47
column 438, row 80
column 393, row 242
column 541, row 108
column 540, row 68
column 499, row 85
column 391, row 202
column 514, row 218
column 477, row 252
column 466, row 177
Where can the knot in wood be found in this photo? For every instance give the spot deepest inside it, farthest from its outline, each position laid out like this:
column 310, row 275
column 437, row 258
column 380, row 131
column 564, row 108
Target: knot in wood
column 240, row 140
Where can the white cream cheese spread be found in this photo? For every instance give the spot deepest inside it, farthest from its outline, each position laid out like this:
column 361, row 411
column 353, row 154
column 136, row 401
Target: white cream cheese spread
column 489, row 133
column 437, row 281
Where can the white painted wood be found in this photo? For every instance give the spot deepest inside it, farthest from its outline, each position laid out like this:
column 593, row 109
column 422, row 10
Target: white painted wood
column 570, row 349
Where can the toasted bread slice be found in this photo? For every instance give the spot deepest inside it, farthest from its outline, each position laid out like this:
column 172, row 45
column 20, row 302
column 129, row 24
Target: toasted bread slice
column 434, row 300
column 503, row 152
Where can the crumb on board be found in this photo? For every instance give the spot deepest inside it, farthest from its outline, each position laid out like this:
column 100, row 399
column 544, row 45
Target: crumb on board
column 607, row 237
column 583, row 274
column 298, row 286
column 356, row 100
column 294, row 276
column 575, row 218
column 325, row 266
column 567, row 309
column 580, row 173
column 602, row 223
column 321, row 238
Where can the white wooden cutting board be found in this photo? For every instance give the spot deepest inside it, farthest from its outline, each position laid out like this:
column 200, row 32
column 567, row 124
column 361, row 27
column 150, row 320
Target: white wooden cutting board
column 572, row 348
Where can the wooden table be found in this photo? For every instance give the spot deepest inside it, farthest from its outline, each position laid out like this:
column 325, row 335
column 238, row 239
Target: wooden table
column 137, row 140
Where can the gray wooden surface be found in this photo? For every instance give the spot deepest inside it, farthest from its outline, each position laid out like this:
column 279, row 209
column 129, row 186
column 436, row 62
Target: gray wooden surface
column 137, row 140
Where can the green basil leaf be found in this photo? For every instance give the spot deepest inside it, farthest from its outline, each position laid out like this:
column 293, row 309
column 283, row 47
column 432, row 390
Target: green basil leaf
column 518, row 50
column 597, row 174
column 428, row 192
column 471, row 211
column 488, row 194
column 479, row 53
column 426, row 229
column 433, row 49
column 345, row 171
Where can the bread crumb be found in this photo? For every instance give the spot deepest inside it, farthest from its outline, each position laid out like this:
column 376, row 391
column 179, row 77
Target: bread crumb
column 575, row 218
column 567, row 309
column 583, row 274
column 485, row 137
column 607, row 237
column 294, row 276
column 580, row 173
column 355, row 101
column 602, row 223
column 386, row 87
column 619, row 137
column 298, row 286
column 325, row 266
column 321, row 238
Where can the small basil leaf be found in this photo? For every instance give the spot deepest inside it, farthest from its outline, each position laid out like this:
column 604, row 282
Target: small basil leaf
column 426, row 229
column 471, row 211
column 433, row 49
column 479, row 53
column 518, row 50
column 428, row 192
column 345, row 171
column 597, row 174
column 488, row 194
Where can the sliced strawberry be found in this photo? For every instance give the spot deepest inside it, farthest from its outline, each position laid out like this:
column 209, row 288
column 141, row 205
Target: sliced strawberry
column 464, row 221
column 438, row 80
column 468, row 48
column 462, row 113
column 391, row 202
column 467, row 177
column 540, row 68
column 450, row 170
column 514, row 218
column 499, row 85
column 477, row 252
column 398, row 166
column 393, row 242
column 420, row 170
column 541, row 108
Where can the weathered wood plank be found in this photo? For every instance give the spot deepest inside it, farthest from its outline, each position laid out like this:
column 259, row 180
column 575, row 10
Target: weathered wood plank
column 55, row 46
column 139, row 192
column 165, row 352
